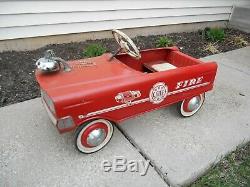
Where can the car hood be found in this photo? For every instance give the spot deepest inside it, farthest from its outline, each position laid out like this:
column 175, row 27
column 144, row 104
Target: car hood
column 86, row 74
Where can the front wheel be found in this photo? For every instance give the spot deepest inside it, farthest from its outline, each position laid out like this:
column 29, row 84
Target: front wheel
column 190, row 106
column 93, row 136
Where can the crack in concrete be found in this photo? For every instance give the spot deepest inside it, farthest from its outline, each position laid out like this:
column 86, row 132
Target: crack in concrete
column 145, row 156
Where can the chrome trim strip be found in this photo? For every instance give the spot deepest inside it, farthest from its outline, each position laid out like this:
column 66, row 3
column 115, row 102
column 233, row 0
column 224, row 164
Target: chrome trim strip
column 138, row 101
column 51, row 116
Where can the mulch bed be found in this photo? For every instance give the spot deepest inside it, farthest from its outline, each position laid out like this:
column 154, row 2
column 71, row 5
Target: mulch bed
column 17, row 81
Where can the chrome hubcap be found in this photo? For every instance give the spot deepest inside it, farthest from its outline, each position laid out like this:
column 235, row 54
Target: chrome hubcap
column 96, row 137
column 194, row 103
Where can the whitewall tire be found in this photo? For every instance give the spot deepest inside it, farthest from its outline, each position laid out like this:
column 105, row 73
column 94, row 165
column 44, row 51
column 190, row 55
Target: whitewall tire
column 190, row 106
column 93, row 136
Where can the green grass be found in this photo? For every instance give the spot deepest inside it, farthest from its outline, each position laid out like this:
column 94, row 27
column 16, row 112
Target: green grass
column 164, row 42
column 94, row 50
column 231, row 171
column 214, row 34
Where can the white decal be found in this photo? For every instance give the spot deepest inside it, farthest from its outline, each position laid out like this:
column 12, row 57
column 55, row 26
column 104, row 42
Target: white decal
column 188, row 88
column 189, row 82
column 82, row 63
column 105, row 110
column 127, row 97
column 158, row 93
column 113, row 108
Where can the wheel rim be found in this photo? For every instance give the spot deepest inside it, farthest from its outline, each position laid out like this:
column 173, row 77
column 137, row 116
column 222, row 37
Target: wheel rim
column 192, row 105
column 94, row 136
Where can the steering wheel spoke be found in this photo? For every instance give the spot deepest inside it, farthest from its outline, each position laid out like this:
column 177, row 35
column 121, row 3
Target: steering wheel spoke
column 126, row 44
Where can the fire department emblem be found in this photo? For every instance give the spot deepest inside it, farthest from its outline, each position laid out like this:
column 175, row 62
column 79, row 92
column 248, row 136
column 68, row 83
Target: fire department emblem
column 158, row 93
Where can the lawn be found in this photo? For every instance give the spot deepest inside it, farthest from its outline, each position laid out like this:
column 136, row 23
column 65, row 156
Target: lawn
column 231, row 171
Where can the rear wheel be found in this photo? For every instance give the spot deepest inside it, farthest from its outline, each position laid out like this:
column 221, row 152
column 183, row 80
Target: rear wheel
column 190, row 106
column 93, row 136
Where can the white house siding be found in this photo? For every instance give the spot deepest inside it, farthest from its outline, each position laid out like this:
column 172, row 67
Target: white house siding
column 23, row 19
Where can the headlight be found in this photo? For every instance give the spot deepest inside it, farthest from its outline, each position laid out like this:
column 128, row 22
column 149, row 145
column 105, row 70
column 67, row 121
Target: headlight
column 48, row 101
column 65, row 123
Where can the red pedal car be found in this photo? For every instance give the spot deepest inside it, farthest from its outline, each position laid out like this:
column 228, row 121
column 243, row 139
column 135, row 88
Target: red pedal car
column 90, row 95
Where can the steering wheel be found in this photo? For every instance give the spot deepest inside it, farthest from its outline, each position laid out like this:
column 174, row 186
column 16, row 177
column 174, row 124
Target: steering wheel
column 126, row 44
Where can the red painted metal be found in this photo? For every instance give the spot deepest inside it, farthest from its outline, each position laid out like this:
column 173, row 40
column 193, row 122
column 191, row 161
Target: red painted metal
column 90, row 92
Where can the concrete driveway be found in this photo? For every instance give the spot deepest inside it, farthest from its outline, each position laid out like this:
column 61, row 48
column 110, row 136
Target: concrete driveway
column 184, row 148
column 32, row 153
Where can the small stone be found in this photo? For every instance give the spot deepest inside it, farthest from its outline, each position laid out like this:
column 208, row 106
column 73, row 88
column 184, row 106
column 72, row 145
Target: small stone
column 4, row 99
column 241, row 94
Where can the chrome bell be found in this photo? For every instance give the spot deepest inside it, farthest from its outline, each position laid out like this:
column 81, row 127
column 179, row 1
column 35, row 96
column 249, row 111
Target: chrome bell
column 47, row 63
column 51, row 63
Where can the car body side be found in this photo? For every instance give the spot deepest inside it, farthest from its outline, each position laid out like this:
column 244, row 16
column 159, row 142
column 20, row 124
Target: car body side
column 98, row 98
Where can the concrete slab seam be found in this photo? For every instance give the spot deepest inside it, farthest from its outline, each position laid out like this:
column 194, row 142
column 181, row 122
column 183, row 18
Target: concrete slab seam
column 145, row 156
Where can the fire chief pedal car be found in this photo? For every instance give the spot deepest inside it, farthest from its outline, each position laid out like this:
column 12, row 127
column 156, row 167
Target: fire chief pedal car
column 91, row 95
